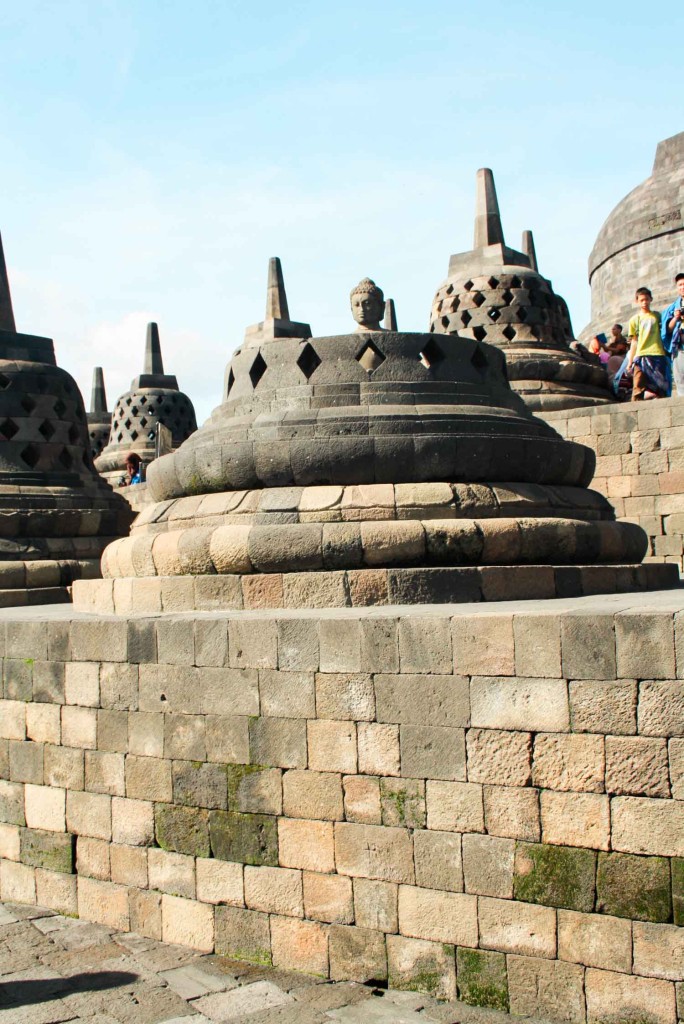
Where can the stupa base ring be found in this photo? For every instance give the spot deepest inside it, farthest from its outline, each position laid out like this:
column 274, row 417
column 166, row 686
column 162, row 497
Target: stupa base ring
column 359, row 588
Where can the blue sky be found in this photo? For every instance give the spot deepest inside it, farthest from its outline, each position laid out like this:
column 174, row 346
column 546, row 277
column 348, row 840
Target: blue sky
column 156, row 153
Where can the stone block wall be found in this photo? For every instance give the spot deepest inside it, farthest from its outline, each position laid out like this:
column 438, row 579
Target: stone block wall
column 488, row 804
column 639, row 465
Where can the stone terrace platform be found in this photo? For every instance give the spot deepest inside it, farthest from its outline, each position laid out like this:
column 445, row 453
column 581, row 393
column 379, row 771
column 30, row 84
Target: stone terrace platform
column 55, row 969
column 483, row 801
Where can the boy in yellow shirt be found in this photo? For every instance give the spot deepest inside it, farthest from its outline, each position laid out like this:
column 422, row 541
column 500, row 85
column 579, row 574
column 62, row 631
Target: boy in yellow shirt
column 647, row 357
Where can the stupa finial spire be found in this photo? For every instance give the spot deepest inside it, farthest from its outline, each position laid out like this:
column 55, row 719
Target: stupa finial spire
column 529, row 250
column 98, row 395
column 276, row 298
column 6, row 311
column 390, row 316
column 154, row 364
column 488, row 229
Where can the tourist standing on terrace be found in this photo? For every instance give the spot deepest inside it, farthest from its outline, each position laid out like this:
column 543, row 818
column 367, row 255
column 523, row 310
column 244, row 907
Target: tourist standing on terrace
column 647, row 357
column 673, row 336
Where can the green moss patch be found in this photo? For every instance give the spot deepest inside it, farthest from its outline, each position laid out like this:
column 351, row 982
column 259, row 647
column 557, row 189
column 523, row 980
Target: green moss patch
column 246, row 838
column 481, row 978
column 555, row 876
column 635, row 887
column 182, row 829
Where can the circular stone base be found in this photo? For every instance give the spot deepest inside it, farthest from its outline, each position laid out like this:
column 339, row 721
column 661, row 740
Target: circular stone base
column 365, row 587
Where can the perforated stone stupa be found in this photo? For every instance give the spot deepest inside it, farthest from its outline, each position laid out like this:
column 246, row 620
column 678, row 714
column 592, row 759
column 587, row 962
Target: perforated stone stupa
column 153, row 398
column 364, row 468
column 99, row 419
column 56, row 513
column 496, row 294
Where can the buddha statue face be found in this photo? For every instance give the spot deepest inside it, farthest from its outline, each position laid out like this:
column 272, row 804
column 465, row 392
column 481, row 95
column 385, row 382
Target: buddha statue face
column 368, row 305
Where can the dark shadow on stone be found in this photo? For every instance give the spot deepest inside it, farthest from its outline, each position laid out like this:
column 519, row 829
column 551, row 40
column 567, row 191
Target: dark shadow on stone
column 40, row 990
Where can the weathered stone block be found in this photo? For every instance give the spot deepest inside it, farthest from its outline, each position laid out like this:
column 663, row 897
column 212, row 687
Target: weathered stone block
column 274, row 891
column 432, row 752
column 200, row 785
column 132, row 822
column 576, row 819
column 145, row 913
column 362, row 799
column 438, row 863
column 595, row 940
column 278, row 742
column 250, row 838
column 227, row 739
column 376, row 904
column 425, row 645
column 645, row 645
column 82, row 683
column 26, row 762
column 92, row 858
column 499, row 757
column 647, row 825
column 455, row 806
column 423, row 700
column 12, row 803
column 513, row 927
column 332, row 746
column 104, row 772
column 299, row 945
column 549, row 987
column 602, row 706
column 340, row 645
column 379, row 645
column 182, row 829
column 415, row 965
column 219, row 881
column 569, row 762
column 184, row 737
column 487, row 865
column 306, row 844
column 243, row 935
column 17, row 882
column 633, row 887
column 638, row 999
column 512, row 813
column 79, row 727
column 148, row 778
column 328, row 898
column 44, row 808
column 317, row 795
column 128, row 865
column 172, row 873
column 537, row 646
column 53, row 851
column 56, row 891
column 379, row 752
column 298, row 645
column 482, row 978
column 556, row 876
column 253, row 643
column 253, row 789
column 402, row 802
column 187, row 922
column 483, row 645
column 146, row 734
column 538, row 705
column 112, row 731
column 211, row 642
column 357, row 954
column 372, row 851
column 225, row 691
column 588, row 647
column 43, row 723
column 344, row 697
column 637, row 765
column 287, row 694
column 103, row 903
column 64, row 767
column 661, row 708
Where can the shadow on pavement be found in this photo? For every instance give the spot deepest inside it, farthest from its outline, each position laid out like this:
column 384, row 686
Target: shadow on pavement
column 40, row 990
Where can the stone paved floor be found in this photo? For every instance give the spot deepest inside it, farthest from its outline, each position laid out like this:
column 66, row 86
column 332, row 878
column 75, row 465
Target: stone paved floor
column 55, row 969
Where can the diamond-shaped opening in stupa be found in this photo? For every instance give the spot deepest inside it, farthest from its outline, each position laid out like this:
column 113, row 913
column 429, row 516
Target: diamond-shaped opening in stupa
column 308, row 360
column 8, row 428
column 60, row 408
column 478, row 299
column 370, row 357
column 493, row 282
column 509, row 332
column 479, row 333
column 231, row 381
column 5, row 382
column 74, row 434
column 257, row 369
column 431, row 354
column 468, row 285
column 30, row 455
column 66, row 458
column 465, row 318
column 507, row 296
column 46, row 429
column 27, row 404
column 494, row 314
column 479, row 360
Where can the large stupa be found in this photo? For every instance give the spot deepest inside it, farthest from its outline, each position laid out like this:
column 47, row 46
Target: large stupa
column 370, row 467
column 153, row 398
column 56, row 514
column 496, row 294
column 640, row 243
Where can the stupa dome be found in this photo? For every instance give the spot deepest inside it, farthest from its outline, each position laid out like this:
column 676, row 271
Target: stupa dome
column 640, row 243
column 153, row 398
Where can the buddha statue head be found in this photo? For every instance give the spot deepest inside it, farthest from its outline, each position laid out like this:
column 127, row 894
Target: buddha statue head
column 368, row 305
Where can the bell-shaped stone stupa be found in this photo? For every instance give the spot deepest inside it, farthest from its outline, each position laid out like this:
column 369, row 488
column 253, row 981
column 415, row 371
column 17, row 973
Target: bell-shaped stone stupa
column 495, row 294
column 56, row 514
column 153, row 398
column 364, row 468
column 99, row 419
